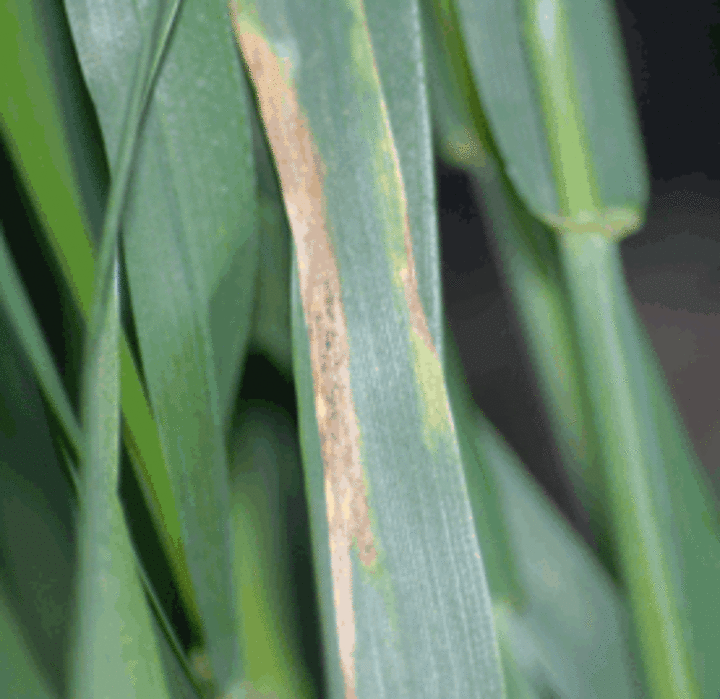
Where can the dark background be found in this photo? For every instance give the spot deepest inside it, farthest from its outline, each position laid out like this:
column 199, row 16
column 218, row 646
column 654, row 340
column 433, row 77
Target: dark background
column 672, row 264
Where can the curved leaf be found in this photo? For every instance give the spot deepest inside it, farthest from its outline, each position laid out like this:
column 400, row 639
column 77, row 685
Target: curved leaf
column 191, row 257
column 42, row 128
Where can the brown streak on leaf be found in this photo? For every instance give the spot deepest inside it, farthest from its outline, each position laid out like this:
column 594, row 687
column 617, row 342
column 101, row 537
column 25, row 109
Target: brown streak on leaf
column 418, row 319
column 300, row 170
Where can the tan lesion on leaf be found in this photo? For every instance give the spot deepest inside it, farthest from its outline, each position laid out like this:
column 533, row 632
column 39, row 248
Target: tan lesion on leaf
column 428, row 367
column 418, row 319
column 407, row 269
column 301, row 177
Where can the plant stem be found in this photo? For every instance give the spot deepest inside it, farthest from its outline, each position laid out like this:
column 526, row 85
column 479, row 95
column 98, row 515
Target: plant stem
column 612, row 346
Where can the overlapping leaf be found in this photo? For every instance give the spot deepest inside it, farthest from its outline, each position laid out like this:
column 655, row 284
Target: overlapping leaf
column 19, row 674
column 527, row 256
column 553, row 84
column 266, row 475
column 47, row 133
column 191, row 257
column 115, row 656
column 115, row 652
column 557, row 610
column 36, row 534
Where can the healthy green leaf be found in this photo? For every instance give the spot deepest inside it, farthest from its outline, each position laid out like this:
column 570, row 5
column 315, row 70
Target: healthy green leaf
column 528, row 256
column 498, row 553
column 39, row 511
column 493, row 35
column 601, row 200
column 47, row 137
column 36, row 534
column 405, row 607
column 271, row 316
column 115, row 653
column 461, row 132
column 37, row 131
column 597, row 171
column 530, row 261
column 574, row 623
column 517, row 86
column 558, row 612
column 581, row 79
column 192, row 279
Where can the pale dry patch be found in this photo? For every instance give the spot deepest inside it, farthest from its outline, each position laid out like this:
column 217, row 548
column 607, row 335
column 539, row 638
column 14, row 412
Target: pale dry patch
column 300, row 170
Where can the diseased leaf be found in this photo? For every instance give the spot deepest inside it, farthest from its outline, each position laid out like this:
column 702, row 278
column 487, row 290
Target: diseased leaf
column 405, row 606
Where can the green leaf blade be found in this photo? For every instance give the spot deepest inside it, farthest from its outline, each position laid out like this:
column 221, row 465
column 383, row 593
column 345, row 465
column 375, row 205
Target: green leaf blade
column 115, row 653
column 191, row 254
column 552, row 79
column 405, row 605
column 19, row 672
column 16, row 299
column 493, row 36
column 48, row 144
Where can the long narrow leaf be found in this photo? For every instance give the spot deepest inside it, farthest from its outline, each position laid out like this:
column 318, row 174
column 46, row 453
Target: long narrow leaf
column 529, row 262
column 559, row 65
column 192, row 278
column 266, row 466
column 20, row 311
column 406, row 611
column 41, row 129
column 271, row 318
column 575, row 623
column 498, row 554
column 531, row 265
column 562, row 622
column 36, row 529
column 115, row 653
column 461, row 133
column 665, row 574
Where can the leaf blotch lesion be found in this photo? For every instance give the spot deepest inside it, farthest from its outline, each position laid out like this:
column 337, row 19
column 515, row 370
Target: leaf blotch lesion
column 301, row 177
